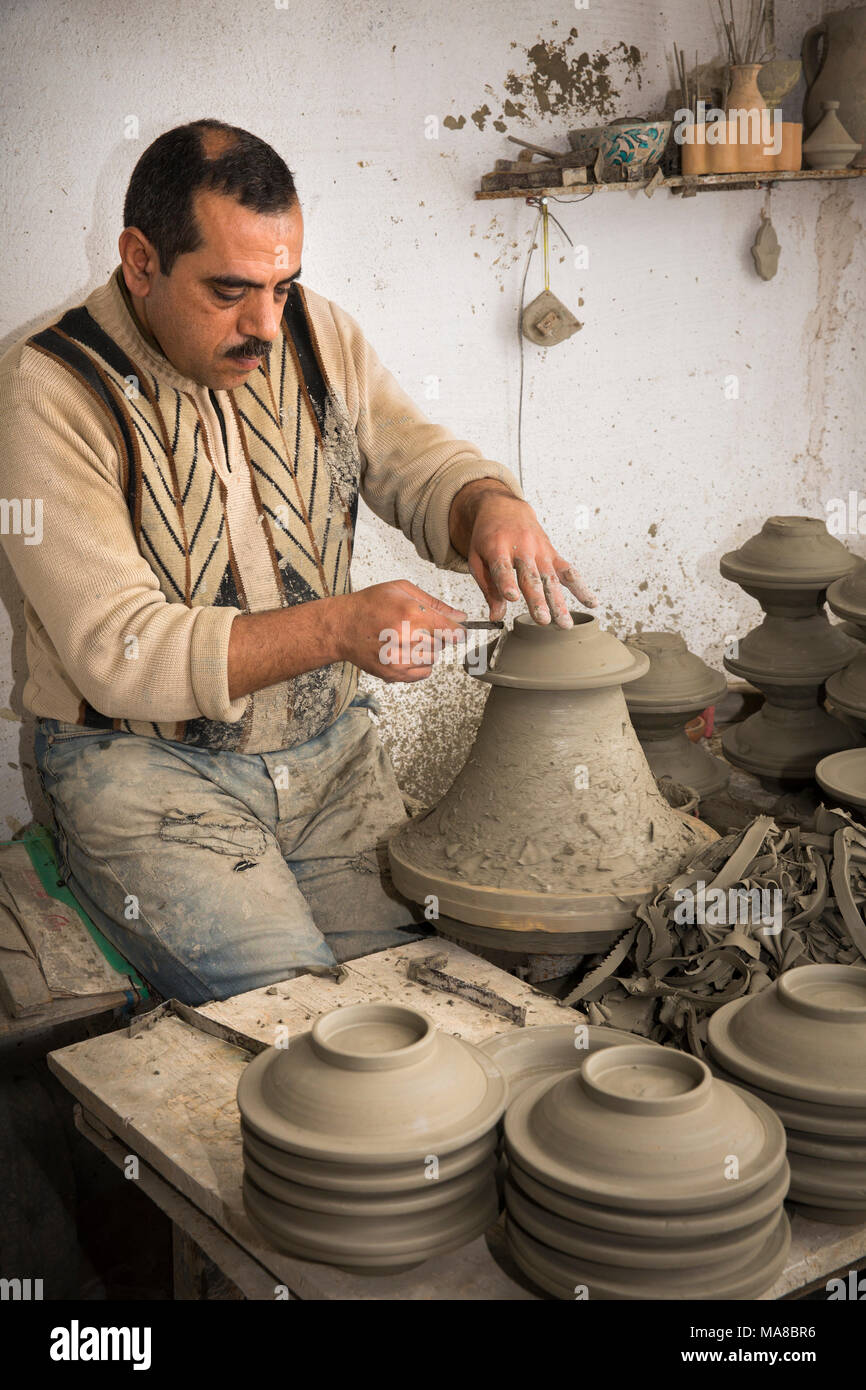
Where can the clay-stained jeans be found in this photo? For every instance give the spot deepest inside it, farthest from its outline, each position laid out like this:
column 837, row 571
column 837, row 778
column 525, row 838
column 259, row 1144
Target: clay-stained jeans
column 218, row 872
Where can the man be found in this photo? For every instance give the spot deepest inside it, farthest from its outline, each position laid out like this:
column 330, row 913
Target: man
column 197, row 434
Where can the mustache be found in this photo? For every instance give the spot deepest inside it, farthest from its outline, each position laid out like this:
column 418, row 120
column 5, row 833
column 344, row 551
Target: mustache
column 252, row 347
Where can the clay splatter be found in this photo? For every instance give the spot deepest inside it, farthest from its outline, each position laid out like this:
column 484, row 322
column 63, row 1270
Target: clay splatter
column 557, row 78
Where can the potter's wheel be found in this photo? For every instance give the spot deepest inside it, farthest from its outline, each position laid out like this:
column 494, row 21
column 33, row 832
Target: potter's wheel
column 525, row 921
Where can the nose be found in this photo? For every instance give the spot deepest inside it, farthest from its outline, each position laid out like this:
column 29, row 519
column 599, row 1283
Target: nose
column 260, row 318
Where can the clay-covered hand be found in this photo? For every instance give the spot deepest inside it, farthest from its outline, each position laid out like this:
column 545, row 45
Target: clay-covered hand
column 509, row 553
column 394, row 630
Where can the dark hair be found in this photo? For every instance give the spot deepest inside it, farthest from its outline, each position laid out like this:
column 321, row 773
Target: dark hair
column 203, row 154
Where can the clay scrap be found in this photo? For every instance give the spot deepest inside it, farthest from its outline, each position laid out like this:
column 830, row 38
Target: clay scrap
column 748, row 908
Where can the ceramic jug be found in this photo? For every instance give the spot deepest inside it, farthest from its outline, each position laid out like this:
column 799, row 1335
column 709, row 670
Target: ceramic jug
column 834, row 65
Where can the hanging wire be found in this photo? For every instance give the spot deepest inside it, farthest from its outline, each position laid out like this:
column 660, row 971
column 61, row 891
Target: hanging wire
column 540, row 204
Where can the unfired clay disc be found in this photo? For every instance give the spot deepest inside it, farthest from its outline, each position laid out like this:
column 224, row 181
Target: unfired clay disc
column 361, row 1178
column 526, row 1054
column 630, row 1252
column 804, row 1037
column 655, row 1137
column 665, row 1227
column 834, row 1121
column 340, row 1242
column 561, row 1274
column 378, row 1206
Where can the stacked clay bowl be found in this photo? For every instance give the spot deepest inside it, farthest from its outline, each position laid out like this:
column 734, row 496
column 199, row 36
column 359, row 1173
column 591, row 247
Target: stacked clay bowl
column 369, row 1143
column 800, row 1046
column 621, row 1181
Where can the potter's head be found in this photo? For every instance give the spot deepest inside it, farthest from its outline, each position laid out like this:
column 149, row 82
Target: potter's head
column 211, row 243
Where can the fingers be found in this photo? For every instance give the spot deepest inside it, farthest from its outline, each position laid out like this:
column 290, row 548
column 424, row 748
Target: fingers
column 556, row 601
column 572, row 581
column 437, row 613
column 496, row 604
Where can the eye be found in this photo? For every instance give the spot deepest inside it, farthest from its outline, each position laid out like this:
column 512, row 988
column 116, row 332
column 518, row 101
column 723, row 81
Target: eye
column 227, row 298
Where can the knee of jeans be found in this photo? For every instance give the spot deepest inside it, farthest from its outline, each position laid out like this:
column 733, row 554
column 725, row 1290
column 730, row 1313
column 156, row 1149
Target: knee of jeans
column 222, row 832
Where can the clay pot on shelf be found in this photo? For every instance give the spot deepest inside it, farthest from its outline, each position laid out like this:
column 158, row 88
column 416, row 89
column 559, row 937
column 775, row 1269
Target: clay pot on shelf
column 830, row 146
column 787, row 567
column 790, row 157
column 554, row 831
column 801, row 1045
column 677, row 686
column 834, row 65
column 616, row 1181
column 695, row 152
column 338, row 1130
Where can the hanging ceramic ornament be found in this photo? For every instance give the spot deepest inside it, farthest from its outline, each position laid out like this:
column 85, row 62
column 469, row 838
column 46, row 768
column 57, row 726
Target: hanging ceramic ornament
column 546, row 321
column 766, row 249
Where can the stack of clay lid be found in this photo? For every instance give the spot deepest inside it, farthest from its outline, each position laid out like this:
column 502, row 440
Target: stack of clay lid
column 642, row 1176
column 847, row 598
column 800, row 1046
column 788, row 567
column 677, row 686
column 369, row 1142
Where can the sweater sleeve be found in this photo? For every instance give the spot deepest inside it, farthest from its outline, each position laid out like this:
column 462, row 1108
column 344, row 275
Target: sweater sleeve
column 412, row 468
column 127, row 650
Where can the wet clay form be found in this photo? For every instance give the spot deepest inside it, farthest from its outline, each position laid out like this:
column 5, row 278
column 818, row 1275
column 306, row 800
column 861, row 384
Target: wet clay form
column 787, row 568
column 800, row 1046
column 525, row 1055
column 677, row 686
column 847, row 598
column 369, row 1142
column 620, row 1179
column 554, row 831
column 843, row 777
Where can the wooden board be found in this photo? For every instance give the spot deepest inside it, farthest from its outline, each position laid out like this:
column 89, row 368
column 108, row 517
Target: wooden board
column 685, row 183
column 168, row 1095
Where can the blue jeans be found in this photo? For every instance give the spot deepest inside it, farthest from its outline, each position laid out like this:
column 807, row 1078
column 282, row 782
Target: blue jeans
column 218, row 872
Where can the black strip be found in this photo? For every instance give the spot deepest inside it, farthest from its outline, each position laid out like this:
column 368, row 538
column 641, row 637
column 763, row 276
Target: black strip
column 79, row 362
column 216, row 405
column 299, row 329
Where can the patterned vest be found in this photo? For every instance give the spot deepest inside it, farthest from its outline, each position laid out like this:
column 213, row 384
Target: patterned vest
column 304, row 463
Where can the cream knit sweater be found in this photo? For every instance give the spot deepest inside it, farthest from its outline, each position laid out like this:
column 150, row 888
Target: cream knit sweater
column 88, row 588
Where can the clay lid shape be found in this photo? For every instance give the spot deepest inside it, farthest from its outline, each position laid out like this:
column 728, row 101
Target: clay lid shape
column 660, row 1229
column 804, row 1036
column 646, row 1128
column 559, row 1273
column 525, row 1054
column 677, row 680
column 847, row 688
column 583, row 657
column 843, row 775
column 372, row 1083
column 847, row 596
column 787, row 551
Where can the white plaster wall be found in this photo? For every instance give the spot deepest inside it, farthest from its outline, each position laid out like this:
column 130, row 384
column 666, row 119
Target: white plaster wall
column 628, row 418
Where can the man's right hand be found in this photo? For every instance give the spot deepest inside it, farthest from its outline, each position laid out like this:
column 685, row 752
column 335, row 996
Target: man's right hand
column 394, row 630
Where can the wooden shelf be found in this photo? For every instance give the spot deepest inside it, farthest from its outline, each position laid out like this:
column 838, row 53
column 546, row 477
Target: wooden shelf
column 679, row 183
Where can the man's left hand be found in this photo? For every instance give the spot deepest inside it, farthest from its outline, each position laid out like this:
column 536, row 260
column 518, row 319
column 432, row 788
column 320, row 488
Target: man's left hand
column 509, row 553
